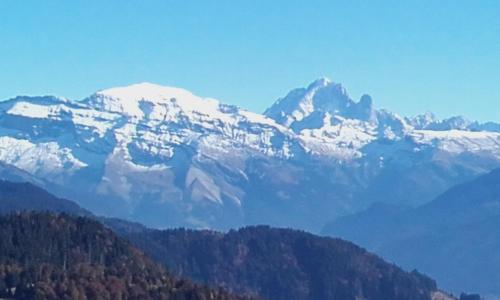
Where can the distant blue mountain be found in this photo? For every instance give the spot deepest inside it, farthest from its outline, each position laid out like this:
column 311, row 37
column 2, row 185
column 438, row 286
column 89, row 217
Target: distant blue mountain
column 454, row 238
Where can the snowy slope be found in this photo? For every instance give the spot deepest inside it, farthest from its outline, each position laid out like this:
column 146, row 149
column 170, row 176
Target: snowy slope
column 164, row 156
column 329, row 122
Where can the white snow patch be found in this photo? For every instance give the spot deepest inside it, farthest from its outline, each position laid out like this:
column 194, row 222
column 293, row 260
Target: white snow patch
column 43, row 159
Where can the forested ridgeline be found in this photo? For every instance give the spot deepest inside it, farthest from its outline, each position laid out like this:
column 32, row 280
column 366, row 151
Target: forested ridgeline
column 46, row 256
column 282, row 264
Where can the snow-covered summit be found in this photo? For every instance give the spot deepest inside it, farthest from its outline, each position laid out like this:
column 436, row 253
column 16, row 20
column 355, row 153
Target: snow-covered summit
column 130, row 100
column 429, row 121
column 320, row 82
column 145, row 90
column 304, row 107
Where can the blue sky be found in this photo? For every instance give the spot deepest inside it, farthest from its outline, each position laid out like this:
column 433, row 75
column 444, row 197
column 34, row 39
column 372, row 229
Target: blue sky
column 411, row 56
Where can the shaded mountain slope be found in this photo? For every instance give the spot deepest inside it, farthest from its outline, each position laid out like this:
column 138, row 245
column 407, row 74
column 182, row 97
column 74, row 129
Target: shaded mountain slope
column 281, row 264
column 24, row 196
column 453, row 238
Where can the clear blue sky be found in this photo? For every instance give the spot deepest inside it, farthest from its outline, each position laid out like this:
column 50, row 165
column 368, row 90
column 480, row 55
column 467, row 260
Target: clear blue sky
column 411, row 56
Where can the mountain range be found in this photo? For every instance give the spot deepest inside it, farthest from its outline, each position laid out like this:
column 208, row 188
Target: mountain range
column 165, row 157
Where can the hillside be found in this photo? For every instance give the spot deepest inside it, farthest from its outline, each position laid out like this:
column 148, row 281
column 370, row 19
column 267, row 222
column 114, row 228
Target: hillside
column 44, row 256
column 282, row 264
column 453, row 238
column 24, row 196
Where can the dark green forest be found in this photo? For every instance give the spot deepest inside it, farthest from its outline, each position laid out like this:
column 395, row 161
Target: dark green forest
column 45, row 256
column 282, row 264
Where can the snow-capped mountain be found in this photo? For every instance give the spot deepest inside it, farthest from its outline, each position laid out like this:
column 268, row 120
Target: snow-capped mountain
column 163, row 156
column 307, row 107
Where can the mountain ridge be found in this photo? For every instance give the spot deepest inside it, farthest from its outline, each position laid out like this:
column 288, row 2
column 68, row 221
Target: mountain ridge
column 280, row 263
column 165, row 157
